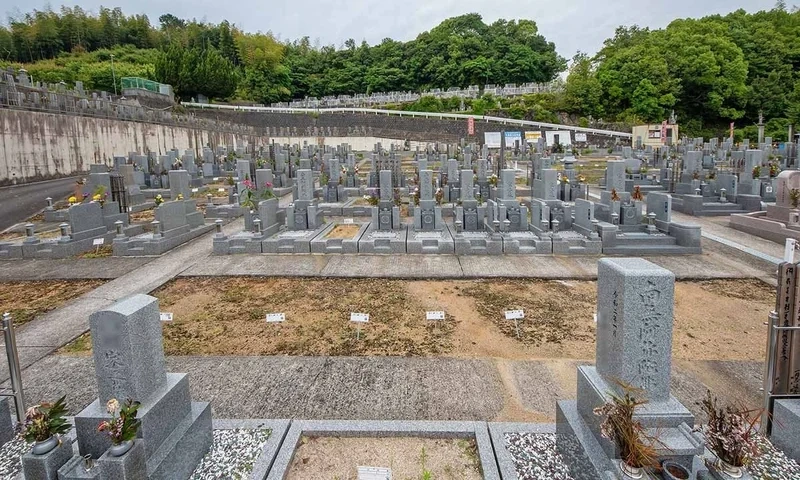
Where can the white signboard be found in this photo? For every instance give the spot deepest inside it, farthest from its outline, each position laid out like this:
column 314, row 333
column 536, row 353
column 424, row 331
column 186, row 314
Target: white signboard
column 515, row 314
column 491, row 139
column 580, row 137
column 98, row 241
column 564, row 137
column 220, row 189
column 165, row 316
column 374, row 473
column 434, row 315
column 348, row 221
column 216, row 179
column 359, row 317
column 275, row 317
column 195, row 190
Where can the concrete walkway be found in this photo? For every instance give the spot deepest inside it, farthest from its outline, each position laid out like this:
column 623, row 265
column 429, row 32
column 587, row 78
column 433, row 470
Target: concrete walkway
column 388, row 388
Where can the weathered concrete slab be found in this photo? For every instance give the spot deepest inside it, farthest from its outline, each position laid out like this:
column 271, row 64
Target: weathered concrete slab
column 394, row 266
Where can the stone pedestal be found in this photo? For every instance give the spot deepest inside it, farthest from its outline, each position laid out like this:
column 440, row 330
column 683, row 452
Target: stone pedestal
column 130, row 466
column 6, row 424
column 786, row 427
column 45, row 467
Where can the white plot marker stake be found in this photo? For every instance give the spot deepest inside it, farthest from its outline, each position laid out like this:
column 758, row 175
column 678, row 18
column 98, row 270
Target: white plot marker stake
column 359, row 318
column 515, row 315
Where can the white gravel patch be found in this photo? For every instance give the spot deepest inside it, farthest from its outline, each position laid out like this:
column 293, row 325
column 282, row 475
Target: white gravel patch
column 233, row 454
column 773, row 464
column 535, row 456
column 10, row 454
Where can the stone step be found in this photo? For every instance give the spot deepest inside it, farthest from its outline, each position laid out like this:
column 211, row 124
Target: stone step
column 182, row 450
column 645, row 240
column 645, row 250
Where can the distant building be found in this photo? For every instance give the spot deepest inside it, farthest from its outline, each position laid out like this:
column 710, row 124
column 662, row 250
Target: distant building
column 651, row 135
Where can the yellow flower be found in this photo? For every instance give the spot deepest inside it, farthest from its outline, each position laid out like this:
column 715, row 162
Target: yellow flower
column 72, row 199
column 180, row 196
column 96, row 197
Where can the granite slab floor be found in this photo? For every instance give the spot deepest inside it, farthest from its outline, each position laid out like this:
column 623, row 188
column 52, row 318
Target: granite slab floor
column 386, row 388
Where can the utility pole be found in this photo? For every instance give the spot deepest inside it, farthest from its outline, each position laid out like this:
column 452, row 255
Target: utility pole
column 113, row 74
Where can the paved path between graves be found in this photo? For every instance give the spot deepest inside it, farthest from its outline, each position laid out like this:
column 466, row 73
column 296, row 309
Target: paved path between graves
column 18, row 202
column 389, row 388
column 48, row 332
column 717, row 261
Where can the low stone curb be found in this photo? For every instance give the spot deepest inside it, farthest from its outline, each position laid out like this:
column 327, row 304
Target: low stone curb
column 497, row 433
column 363, row 428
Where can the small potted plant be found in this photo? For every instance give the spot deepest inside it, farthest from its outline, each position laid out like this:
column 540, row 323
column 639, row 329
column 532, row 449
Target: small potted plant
column 636, row 195
column 438, row 196
column 158, row 200
column 267, row 193
column 122, row 427
column 730, row 435
column 636, row 449
column 43, row 425
column 756, row 172
column 493, row 180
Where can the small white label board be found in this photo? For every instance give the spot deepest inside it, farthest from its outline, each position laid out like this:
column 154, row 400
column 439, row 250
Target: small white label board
column 276, row 317
column 434, row 315
column 359, row 317
column 165, row 316
column 515, row 314
column 215, row 179
column 98, row 241
column 788, row 251
column 195, row 190
column 348, row 221
column 220, row 189
column 374, row 473
column 595, row 318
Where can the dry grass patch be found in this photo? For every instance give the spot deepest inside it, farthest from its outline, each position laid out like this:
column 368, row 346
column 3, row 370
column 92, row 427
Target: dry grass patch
column 26, row 300
column 343, row 231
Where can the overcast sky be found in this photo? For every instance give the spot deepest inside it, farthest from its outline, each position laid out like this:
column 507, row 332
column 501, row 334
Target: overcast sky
column 572, row 24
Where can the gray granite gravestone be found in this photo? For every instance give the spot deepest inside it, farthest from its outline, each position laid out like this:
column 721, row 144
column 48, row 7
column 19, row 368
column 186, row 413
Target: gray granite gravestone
column 129, row 364
column 615, row 175
column 180, row 184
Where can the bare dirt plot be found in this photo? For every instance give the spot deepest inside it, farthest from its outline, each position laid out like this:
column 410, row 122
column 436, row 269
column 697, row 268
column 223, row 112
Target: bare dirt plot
column 25, row 300
column 321, row 458
column 343, row 231
column 714, row 320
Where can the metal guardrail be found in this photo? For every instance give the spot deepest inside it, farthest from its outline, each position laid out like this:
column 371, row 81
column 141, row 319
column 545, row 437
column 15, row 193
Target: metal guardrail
column 10, row 337
column 400, row 113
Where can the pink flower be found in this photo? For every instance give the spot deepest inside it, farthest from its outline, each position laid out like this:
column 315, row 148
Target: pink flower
column 268, row 184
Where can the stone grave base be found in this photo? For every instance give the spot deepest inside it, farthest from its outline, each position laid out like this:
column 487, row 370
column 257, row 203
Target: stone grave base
column 281, row 191
column 376, row 428
column 701, row 206
column 476, row 243
column 573, row 243
column 56, row 216
column 383, row 241
column 242, row 242
column 757, row 223
column 332, row 209
column 141, row 207
column 224, row 211
column 291, row 241
column 55, row 248
column 526, row 243
column 497, row 433
column 430, row 241
column 320, row 244
column 786, row 427
column 148, row 244
column 349, row 209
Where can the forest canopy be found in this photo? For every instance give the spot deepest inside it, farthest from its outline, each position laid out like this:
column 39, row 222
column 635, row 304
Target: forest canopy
column 711, row 71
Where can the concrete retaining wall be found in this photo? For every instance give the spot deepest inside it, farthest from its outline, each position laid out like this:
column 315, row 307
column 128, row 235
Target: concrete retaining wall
column 37, row 145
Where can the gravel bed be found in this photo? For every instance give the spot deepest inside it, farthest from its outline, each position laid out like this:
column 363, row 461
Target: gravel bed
column 10, row 453
column 773, row 464
column 535, row 456
column 233, row 454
